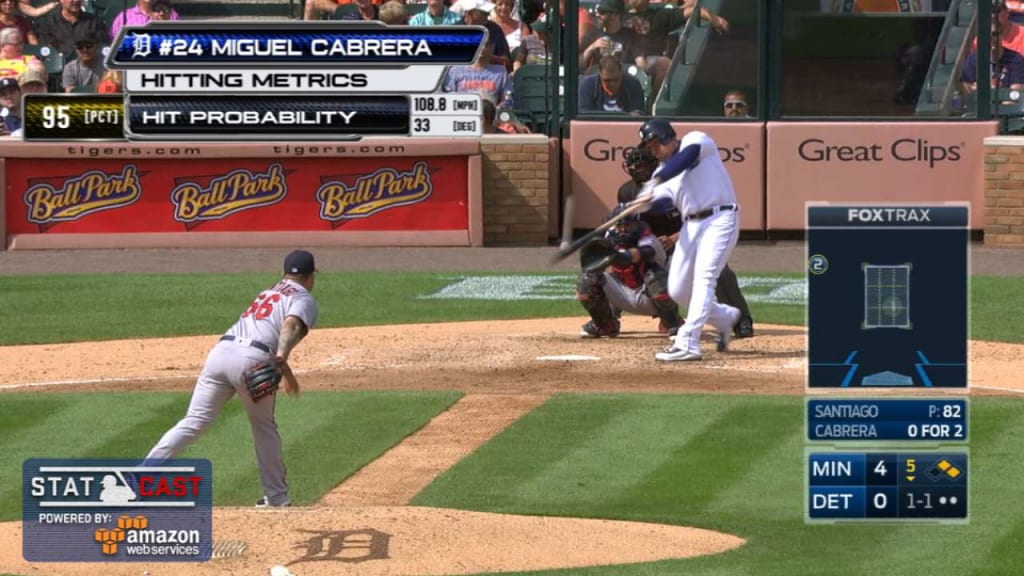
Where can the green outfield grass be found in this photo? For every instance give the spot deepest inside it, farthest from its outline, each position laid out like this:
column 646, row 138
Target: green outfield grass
column 41, row 310
column 328, row 436
column 734, row 464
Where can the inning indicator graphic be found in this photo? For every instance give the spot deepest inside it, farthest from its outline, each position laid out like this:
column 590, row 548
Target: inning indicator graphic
column 262, row 80
column 887, row 296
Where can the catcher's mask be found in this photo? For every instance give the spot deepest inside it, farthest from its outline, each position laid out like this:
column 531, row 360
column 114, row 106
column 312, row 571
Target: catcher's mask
column 626, row 232
column 639, row 164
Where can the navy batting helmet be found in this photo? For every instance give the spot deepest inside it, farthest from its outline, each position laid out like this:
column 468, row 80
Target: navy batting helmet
column 656, row 128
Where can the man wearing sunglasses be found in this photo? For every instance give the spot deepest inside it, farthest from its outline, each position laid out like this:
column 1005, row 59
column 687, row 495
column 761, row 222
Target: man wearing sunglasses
column 87, row 69
column 735, row 105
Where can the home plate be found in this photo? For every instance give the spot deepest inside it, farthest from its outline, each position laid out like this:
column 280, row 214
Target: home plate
column 569, row 358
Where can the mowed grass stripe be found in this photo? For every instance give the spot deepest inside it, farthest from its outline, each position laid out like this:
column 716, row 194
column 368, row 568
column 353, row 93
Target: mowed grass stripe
column 352, row 431
column 327, row 436
column 620, row 454
column 490, row 478
column 87, row 422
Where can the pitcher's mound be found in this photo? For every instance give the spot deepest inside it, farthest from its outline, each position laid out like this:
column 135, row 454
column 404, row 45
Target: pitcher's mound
column 408, row 540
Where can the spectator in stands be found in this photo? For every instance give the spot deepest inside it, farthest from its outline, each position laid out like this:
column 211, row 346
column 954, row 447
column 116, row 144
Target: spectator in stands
column 488, row 115
column 505, row 17
column 393, row 12
column 475, row 13
column 32, row 81
column 436, row 14
column 9, row 17
column 58, row 28
column 87, row 68
column 617, row 39
column 30, row 11
column 12, row 58
column 317, row 9
column 611, row 90
column 111, row 83
column 587, row 28
column 365, row 10
column 734, row 105
column 10, row 103
column 140, row 14
column 1011, row 34
column 535, row 47
column 655, row 25
column 1016, row 9
column 1007, row 68
column 482, row 77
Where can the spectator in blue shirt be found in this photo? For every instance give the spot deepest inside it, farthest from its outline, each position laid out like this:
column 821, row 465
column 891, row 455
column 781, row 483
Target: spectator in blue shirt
column 610, row 89
column 1007, row 69
column 436, row 14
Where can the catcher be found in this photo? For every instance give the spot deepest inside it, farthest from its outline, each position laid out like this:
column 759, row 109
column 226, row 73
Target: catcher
column 251, row 359
column 665, row 222
column 625, row 271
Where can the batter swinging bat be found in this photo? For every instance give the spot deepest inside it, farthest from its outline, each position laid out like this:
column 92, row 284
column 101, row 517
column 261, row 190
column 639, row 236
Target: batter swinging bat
column 635, row 206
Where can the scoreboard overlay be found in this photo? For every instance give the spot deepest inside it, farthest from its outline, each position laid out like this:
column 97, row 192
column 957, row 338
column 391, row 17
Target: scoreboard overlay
column 887, row 296
column 887, row 486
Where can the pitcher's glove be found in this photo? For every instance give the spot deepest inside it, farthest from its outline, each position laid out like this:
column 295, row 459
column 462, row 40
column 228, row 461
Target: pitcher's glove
column 262, row 379
column 600, row 254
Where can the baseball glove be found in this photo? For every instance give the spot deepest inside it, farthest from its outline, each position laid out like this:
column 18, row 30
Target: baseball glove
column 600, row 254
column 262, row 379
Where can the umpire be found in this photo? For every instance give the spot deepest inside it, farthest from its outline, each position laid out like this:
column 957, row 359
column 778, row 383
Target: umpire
column 666, row 225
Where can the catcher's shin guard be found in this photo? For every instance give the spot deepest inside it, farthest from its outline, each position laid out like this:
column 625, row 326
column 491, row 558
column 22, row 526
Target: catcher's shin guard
column 656, row 286
column 590, row 293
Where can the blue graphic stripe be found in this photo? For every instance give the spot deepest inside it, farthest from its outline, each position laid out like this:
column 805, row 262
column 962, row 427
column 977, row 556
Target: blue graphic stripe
column 148, row 45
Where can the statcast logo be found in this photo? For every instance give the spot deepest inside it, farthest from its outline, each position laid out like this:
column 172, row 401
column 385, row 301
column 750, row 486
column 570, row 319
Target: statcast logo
column 77, row 196
column 602, row 150
column 902, row 150
column 380, row 190
column 232, row 192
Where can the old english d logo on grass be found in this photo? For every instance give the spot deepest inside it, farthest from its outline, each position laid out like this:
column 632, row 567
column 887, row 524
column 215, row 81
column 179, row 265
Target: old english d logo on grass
column 201, row 198
column 380, row 190
column 63, row 199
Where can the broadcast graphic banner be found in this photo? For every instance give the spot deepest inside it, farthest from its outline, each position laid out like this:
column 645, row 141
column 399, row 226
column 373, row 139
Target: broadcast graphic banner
column 94, row 196
column 319, row 44
column 117, row 510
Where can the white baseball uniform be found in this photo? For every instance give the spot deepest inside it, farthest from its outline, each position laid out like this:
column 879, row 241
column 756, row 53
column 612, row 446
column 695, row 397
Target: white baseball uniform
column 252, row 339
column 699, row 185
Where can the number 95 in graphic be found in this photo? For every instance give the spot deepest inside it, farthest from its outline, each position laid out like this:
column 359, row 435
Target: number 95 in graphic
column 866, row 486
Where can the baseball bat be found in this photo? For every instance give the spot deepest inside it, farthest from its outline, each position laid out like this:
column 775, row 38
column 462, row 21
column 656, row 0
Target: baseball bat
column 634, row 207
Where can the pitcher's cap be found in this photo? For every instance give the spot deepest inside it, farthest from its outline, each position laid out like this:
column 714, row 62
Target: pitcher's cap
column 299, row 262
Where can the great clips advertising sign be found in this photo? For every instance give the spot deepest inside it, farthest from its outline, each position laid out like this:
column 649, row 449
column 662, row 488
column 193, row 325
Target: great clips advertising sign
column 597, row 149
column 869, row 162
column 237, row 195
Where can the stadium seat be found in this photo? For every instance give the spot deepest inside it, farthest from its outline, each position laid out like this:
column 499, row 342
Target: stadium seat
column 533, row 104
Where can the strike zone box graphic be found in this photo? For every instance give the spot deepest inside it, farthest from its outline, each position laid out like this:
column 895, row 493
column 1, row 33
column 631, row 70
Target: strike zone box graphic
column 89, row 510
column 887, row 296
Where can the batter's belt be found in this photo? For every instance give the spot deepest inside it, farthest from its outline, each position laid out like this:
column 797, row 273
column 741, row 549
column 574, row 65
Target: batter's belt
column 710, row 212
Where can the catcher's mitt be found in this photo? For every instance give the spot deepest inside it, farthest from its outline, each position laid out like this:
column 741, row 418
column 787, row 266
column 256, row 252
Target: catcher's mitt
column 262, row 379
column 600, row 254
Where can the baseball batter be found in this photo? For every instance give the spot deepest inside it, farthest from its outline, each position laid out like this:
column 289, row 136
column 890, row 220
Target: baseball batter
column 635, row 281
column 693, row 176
column 666, row 221
column 273, row 324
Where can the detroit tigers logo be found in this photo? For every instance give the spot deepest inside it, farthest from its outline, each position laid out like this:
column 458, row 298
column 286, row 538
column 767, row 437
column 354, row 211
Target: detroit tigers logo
column 80, row 195
column 380, row 190
column 227, row 194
